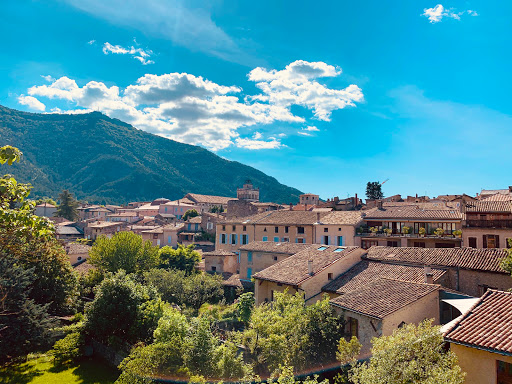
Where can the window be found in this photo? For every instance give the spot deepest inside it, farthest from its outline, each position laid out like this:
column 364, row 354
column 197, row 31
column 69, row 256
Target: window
column 322, row 248
column 158, row 242
column 189, row 226
column 419, row 244
column 275, row 258
column 276, row 229
column 244, row 228
column 300, row 229
column 223, row 239
column 276, row 239
column 491, row 241
column 392, row 243
column 245, row 239
column 223, row 227
column 169, row 240
column 503, row 372
column 329, row 276
column 209, row 225
column 326, row 240
column 265, row 238
column 234, row 227
column 249, row 256
column 214, row 269
column 196, row 227
column 483, row 288
column 472, row 242
column 79, row 258
column 249, row 273
column 285, row 240
column 265, row 229
column 165, row 209
column 351, row 327
column 339, row 249
column 300, row 240
column 286, row 229
column 155, row 235
column 365, row 244
column 233, row 238
column 326, row 229
column 340, row 241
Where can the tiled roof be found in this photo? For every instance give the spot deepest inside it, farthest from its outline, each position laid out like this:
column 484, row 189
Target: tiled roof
column 489, row 206
column 74, row 248
column 366, row 271
column 488, row 324
column 209, row 199
column 498, row 197
column 272, row 247
column 219, row 252
column 67, row 230
column 83, row 267
column 486, row 192
column 294, row 269
column 195, row 220
column 414, row 212
column 383, row 296
column 47, row 205
column 105, row 224
column 344, row 217
column 468, row 258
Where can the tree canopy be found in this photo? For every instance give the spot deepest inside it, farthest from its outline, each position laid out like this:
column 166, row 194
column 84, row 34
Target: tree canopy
column 374, row 190
column 67, row 206
column 190, row 214
column 182, row 258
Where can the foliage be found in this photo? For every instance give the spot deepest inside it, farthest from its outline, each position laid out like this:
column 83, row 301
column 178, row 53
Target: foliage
column 108, row 161
column 374, row 229
column 229, row 364
column 47, row 200
column 457, row 233
column 285, row 375
column 200, row 345
column 422, row 231
column 374, row 190
column 217, row 208
column 388, row 231
column 506, row 263
column 126, row 251
column 68, row 206
column 245, row 306
column 286, row 332
column 348, row 350
column 182, row 258
column 173, row 324
column 412, row 354
column 69, row 349
column 9, row 155
column 190, row 214
column 205, row 236
column 406, row 230
column 120, row 309
column 176, row 287
column 439, row 232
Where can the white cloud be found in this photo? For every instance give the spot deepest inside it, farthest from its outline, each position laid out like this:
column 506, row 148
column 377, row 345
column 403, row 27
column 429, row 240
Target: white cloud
column 91, row 42
column 31, row 102
column 137, row 53
column 195, row 110
column 48, row 78
column 296, row 85
column 437, row 13
column 304, row 133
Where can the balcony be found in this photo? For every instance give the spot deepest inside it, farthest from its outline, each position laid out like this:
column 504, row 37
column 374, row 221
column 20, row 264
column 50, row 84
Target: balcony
column 410, row 235
column 489, row 223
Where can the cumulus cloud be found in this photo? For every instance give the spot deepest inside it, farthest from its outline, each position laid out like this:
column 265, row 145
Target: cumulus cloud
column 437, row 13
column 31, row 102
column 195, row 110
column 137, row 53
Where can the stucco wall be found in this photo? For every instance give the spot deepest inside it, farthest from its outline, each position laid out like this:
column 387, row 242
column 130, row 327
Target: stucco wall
column 263, row 290
column 479, row 232
column 333, row 231
column 471, row 282
column 480, row 366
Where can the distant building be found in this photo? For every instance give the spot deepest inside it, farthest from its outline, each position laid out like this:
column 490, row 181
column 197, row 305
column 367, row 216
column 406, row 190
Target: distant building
column 204, row 203
column 77, row 252
column 248, row 192
column 45, row 210
column 488, row 224
column 309, row 199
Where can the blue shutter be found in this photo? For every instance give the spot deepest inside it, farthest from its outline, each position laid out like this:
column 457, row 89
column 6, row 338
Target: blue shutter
column 236, row 238
column 249, row 273
column 328, row 240
column 249, row 256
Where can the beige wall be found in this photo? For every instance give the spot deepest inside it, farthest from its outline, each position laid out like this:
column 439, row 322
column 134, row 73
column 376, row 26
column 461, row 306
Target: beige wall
column 472, row 282
column 504, row 234
column 77, row 257
column 333, row 232
column 480, row 366
column 162, row 239
column 221, row 263
column 260, row 261
column 263, row 290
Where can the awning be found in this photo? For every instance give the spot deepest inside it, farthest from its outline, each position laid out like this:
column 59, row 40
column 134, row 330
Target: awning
column 463, row 305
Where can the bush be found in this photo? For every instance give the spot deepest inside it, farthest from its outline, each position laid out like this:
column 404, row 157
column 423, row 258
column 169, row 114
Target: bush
column 68, row 349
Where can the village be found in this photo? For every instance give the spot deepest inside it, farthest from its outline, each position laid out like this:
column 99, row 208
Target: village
column 383, row 263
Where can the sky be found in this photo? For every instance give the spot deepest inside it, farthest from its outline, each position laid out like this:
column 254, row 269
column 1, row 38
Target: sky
column 323, row 95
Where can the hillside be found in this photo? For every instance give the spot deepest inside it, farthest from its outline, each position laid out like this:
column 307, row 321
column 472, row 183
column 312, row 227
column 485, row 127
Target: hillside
column 105, row 160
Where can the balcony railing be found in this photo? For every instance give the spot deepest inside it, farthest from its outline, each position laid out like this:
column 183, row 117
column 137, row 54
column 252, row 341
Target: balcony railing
column 411, row 235
column 489, row 223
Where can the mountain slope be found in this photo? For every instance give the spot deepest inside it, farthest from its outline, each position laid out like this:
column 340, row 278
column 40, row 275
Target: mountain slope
column 105, row 160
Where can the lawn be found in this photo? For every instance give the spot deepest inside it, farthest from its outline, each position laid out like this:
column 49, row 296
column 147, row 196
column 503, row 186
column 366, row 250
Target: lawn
column 40, row 370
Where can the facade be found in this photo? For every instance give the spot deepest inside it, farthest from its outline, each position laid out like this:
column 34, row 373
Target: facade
column 128, row 217
column 102, row 228
column 220, row 262
column 309, row 199
column 306, row 271
column 164, row 236
column 488, row 224
column 77, row 253
column 422, row 223
column 68, row 232
column 258, row 255
column 176, row 208
column 339, row 228
column 45, row 210
column 248, row 192
column 481, row 339
column 204, row 203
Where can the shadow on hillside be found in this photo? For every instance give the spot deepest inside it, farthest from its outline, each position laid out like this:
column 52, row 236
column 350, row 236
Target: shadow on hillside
column 91, row 371
column 19, row 373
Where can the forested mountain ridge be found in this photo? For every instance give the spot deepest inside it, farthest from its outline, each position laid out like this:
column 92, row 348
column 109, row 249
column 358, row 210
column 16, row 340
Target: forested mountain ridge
column 105, row 160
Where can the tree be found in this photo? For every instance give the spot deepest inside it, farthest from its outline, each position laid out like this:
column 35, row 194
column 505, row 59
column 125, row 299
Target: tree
column 47, row 200
column 245, row 306
column 374, row 190
column 200, row 345
column 412, row 354
column 118, row 310
column 182, row 258
column 68, row 206
column 217, row 208
column 506, row 264
column 126, row 251
column 190, row 214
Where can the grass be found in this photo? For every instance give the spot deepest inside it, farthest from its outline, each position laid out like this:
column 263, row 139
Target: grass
column 39, row 369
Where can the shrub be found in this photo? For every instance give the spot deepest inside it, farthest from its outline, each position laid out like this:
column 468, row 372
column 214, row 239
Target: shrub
column 68, row 349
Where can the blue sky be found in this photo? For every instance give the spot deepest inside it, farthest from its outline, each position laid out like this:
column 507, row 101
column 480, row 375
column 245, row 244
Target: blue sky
column 323, row 95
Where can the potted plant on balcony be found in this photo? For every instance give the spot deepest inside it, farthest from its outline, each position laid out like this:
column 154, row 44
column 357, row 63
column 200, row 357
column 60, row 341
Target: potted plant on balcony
column 406, row 230
column 457, row 233
column 439, row 232
column 374, row 230
column 388, row 231
column 359, row 230
column 422, row 232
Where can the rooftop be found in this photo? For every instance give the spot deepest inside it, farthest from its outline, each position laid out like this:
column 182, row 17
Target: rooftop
column 272, row 247
column 344, row 217
column 488, row 324
column 383, row 296
column 209, row 199
column 219, row 252
column 294, row 269
column 414, row 212
column 366, row 271
column 74, row 248
column 490, row 206
column 468, row 258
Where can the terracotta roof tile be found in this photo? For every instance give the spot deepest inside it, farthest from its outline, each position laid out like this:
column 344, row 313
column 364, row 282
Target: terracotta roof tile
column 488, row 324
column 344, row 217
column 498, row 197
column 219, row 252
column 209, row 199
column 415, row 212
column 367, row 271
column 383, row 296
column 467, row 258
column 294, row 269
column 489, row 206
column 273, row 247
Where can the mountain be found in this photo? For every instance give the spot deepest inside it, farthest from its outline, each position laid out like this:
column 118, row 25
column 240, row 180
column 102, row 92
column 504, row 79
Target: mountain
column 105, row 160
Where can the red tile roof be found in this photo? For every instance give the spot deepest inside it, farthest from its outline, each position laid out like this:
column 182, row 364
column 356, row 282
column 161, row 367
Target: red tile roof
column 383, row 296
column 272, row 247
column 414, row 212
column 489, row 206
column 467, row 258
column 208, row 199
column 488, row 324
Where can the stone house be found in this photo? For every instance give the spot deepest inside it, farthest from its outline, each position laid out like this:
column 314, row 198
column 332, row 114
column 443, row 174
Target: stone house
column 220, row 262
column 204, row 203
column 102, row 228
column 339, row 228
column 166, row 235
column 45, row 210
column 68, row 231
column 306, row 271
column 481, row 339
column 128, row 217
column 77, row 253
column 177, row 208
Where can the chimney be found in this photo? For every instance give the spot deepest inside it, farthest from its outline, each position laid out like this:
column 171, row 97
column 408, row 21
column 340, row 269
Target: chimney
column 429, row 276
column 357, row 200
column 510, row 188
column 310, row 267
column 318, row 217
column 291, row 207
column 379, row 204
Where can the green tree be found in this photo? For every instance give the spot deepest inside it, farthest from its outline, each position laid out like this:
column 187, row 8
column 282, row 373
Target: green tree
column 374, row 190
column 68, row 206
column 125, row 250
column 183, row 258
column 506, row 264
column 190, row 214
column 200, row 345
column 119, row 309
column 244, row 306
column 412, row 354
column 47, row 200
